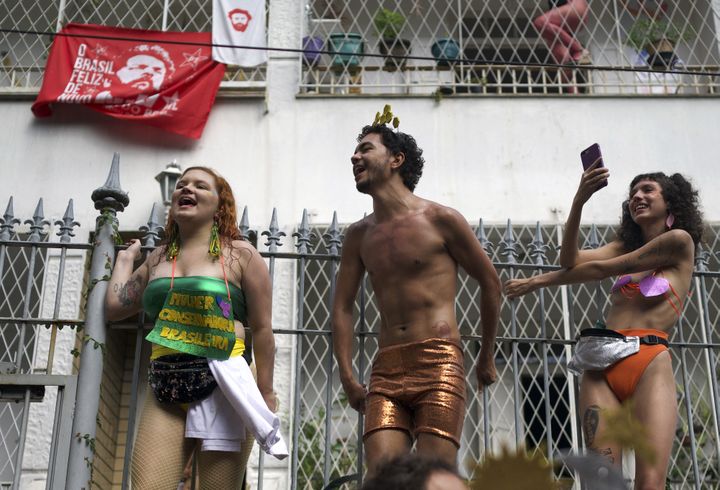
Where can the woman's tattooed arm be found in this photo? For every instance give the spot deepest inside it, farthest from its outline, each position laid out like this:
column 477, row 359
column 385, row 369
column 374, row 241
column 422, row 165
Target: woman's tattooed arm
column 129, row 293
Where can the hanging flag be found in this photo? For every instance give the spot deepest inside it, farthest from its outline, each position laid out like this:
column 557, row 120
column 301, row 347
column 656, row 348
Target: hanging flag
column 239, row 23
column 133, row 74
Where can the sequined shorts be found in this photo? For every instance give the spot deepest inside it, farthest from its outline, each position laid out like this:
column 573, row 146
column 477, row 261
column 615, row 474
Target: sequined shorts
column 418, row 387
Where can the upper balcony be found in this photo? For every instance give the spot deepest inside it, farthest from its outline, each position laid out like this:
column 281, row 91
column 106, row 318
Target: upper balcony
column 498, row 47
column 23, row 56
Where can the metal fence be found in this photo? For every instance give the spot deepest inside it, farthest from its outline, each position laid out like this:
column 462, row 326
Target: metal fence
column 533, row 403
column 459, row 38
column 23, row 56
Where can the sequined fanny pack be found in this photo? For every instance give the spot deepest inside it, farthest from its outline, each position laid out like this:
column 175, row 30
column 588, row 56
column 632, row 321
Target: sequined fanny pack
column 600, row 348
column 180, row 378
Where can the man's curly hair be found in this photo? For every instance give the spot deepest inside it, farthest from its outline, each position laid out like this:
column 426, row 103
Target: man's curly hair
column 407, row 472
column 681, row 200
column 397, row 142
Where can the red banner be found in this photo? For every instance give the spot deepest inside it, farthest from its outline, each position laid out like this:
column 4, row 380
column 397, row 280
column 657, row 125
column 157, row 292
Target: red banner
column 148, row 79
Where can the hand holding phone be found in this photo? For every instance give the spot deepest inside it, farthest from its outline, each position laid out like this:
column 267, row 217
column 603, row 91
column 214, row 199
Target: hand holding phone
column 591, row 156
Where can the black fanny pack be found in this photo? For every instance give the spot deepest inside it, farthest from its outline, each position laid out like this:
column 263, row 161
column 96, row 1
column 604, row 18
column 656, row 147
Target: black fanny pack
column 180, row 378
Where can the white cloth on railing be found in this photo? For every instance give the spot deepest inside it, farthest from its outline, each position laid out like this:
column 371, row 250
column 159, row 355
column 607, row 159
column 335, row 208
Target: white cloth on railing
column 221, row 419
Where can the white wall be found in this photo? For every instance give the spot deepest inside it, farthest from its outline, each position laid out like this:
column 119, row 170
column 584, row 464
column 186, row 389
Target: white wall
column 491, row 158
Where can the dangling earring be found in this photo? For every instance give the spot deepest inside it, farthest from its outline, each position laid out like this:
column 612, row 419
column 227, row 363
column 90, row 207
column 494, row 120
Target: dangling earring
column 669, row 220
column 173, row 247
column 214, row 249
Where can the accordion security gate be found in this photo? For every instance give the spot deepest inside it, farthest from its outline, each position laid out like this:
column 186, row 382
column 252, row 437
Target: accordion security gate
column 533, row 403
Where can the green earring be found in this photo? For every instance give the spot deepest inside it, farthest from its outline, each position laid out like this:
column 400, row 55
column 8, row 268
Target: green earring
column 173, row 248
column 214, row 249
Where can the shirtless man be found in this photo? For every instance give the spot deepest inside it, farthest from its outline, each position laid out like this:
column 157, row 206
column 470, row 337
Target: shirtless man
column 411, row 248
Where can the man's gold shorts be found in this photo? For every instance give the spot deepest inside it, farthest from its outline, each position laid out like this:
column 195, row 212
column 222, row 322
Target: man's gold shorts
column 418, row 387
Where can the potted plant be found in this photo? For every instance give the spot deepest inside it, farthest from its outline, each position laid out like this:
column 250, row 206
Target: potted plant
column 445, row 50
column 388, row 24
column 349, row 48
column 658, row 38
column 312, row 45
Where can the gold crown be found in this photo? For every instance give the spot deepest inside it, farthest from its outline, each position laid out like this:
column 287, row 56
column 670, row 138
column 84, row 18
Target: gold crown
column 386, row 117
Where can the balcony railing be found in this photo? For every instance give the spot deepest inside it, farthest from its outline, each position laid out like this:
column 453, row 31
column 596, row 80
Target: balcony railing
column 43, row 290
column 23, row 56
column 480, row 47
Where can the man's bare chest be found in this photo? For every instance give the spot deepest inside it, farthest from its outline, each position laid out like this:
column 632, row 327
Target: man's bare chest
column 402, row 249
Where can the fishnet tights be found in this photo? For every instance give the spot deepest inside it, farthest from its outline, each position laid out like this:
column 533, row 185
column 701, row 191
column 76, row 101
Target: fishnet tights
column 161, row 453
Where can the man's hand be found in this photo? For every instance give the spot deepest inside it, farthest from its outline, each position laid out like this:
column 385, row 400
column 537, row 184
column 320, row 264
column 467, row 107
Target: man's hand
column 485, row 370
column 356, row 394
column 519, row 287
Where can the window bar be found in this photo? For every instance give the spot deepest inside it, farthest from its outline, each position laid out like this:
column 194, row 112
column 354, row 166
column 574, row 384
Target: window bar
column 457, row 70
column 616, row 14
column 593, row 242
column 487, row 247
column 66, row 231
column 537, row 252
column 361, row 375
column 701, row 262
column 152, row 234
column 334, row 240
column 303, row 237
column 687, row 399
column 61, row 15
column 274, row 236
column 23, row 436
column 567, row 302
column 36, row 234
column 7, row 232
column 510, row 252
column 166, row 7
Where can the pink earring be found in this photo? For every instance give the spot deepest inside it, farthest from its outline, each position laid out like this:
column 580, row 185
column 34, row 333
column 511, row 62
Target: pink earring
column 669, row 220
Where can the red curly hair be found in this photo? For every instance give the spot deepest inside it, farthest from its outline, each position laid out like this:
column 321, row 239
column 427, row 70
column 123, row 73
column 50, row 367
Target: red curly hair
column 226, row 215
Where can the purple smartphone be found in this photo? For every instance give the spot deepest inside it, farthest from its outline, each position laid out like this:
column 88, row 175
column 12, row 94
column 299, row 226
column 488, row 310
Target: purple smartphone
column 590, row 155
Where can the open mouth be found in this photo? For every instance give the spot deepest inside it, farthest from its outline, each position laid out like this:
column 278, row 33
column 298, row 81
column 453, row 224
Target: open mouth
column 640, row 207
column 186, row 201
column 357, row 170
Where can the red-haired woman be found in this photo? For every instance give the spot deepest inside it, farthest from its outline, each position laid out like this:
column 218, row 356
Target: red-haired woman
column 199, row 288
column 652, row 258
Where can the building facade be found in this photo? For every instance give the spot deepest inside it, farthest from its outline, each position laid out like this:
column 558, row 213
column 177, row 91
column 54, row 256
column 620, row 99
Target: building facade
column 502, row 127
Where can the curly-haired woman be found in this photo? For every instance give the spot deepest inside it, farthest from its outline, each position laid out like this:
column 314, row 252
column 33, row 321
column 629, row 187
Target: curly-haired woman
column 199, row 288
column 652, row 258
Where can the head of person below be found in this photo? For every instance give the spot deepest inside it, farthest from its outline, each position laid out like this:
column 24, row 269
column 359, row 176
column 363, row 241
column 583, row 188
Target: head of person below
column 411, row 472
column 652, row 259
column 202, row 284
column 411, row 249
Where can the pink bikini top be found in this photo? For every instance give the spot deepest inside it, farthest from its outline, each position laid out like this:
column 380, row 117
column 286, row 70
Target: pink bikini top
column 649, row 286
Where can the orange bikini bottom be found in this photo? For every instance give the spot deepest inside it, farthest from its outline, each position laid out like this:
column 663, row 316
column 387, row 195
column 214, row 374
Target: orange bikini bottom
column 624, row 375
column 418, row 387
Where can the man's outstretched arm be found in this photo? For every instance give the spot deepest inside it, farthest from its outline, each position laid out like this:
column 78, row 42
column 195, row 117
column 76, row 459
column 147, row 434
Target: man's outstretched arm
column 348, row 282
column 465, row 248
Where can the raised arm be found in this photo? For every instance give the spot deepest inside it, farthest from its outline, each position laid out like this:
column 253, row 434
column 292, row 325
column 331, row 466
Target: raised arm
column 465, row 248
column 348, row 282
column 570, row 254
column 667, row 250
column 255, row 283
column 124, row 293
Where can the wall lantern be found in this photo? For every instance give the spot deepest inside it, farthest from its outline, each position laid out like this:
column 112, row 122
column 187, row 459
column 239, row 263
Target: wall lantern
column 168, row 180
